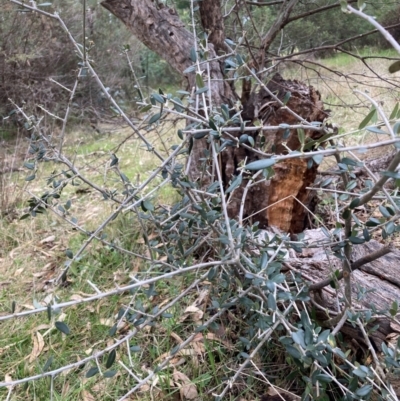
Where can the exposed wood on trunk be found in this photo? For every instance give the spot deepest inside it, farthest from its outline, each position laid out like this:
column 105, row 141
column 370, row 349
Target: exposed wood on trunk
column 278, row 202
column 378, row 279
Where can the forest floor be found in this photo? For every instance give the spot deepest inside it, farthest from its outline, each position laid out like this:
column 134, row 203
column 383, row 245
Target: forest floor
column 33, row 251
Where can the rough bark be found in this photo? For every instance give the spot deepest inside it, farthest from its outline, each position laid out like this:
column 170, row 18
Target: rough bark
column 213, row 23
column 278, row 202
column 379, row 279
column 161, row 30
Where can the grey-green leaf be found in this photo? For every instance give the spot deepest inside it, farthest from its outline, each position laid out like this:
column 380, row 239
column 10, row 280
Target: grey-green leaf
column 111, row 358
column 29, row 166
column 109, row 373
column 367, row 119
column 356, row 240
column 69, row 253
column 193, row 54
column 201, row 90
column 147, row 206
column 61, row 326
column 260, row 164
column 158, row 98
column 360, row 373
column 318, row 158
column 48, row 364
column 271, row 302
column 199, row 81
column 92, row 372
column 363, row 391
column 235, row 183
column 154, row 118
column 394, row 67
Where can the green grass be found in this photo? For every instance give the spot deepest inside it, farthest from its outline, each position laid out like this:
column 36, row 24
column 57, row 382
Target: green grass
column 341, row 60
column 27, row 264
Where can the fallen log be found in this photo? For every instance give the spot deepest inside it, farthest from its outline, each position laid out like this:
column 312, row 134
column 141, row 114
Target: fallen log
column 374, row 285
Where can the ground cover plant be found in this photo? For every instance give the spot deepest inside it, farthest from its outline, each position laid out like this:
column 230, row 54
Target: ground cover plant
column 126, row 276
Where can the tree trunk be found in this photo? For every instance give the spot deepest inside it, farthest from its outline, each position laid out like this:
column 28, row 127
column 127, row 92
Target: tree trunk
column 278, row 202
column 162, row 31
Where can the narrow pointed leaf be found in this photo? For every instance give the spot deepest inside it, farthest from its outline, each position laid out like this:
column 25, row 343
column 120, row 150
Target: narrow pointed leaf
column 110, row 373
column 261, row 164
column 61, row 326
column 367, row 119
column 111, row 359
column 235, row 183
column 92, row 372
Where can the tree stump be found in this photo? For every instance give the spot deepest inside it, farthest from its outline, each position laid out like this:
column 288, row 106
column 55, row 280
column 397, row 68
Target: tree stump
column 279, row 201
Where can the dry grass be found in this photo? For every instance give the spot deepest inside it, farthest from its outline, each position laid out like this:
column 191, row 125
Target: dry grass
column 348, row 108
